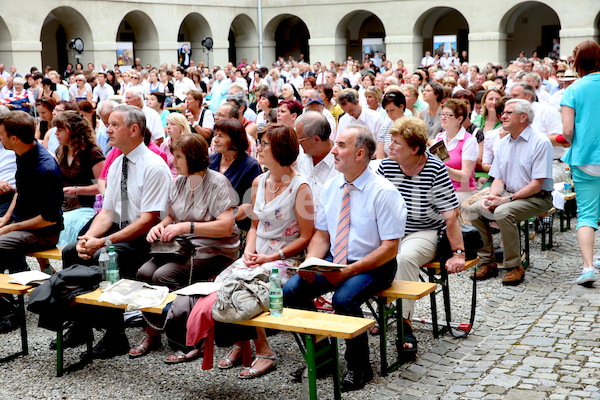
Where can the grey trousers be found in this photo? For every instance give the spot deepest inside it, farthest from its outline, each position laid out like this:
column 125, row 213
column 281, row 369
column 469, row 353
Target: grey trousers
column 14, row 245
column 506, row 216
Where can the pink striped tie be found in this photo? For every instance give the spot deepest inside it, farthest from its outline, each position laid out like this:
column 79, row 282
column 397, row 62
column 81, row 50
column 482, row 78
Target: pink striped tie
column 340, row 249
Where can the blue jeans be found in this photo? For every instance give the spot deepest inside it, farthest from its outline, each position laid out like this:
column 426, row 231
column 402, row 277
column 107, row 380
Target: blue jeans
column 347, row 300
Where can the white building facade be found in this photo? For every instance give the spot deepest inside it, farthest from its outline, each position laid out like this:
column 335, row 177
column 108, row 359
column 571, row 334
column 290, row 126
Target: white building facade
column 37, row 32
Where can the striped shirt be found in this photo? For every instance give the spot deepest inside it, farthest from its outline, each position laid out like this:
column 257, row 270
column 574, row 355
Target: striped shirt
column 426, row 194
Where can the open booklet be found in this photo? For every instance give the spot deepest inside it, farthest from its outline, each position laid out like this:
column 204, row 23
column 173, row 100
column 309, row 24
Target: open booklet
column 439, row 149
column 318, row 265
column 29, row 277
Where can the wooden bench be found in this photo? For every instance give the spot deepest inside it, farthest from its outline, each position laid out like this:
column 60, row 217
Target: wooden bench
column 52, row 254
column 92, row 298
column 394, row 294
column 433, row 270
column 7, row 288
column 524, row 238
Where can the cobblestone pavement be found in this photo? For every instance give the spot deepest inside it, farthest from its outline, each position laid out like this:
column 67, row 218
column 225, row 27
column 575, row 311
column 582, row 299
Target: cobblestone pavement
column 538, row 340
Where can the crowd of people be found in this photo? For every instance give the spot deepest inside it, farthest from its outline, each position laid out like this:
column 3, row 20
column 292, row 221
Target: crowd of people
column 259, row 168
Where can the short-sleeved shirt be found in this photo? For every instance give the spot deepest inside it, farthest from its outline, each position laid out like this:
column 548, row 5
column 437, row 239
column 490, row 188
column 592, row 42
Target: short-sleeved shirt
column 154, row 123
column 427, row 194
column 369, row 118
column 80, row 173
column 548, row 121
column 241, row 173
column 377, row 212
column 148, row 184
column 316, row 175
column 519, row 161
column 210, row 199
column 39, row 188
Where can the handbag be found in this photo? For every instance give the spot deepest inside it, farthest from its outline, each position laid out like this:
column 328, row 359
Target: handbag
column 471, row 238
column 240, row 299
column 179, row 247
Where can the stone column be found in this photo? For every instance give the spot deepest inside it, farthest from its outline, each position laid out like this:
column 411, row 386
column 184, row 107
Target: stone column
column 23, row 54
column 327, row 49
column 406, row 48
column 487, row 47
column 571, row 37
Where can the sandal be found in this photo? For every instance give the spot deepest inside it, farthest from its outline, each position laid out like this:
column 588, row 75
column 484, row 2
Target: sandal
column 230, row 361
column 409, row 339
column 140, row 350
column 255, row 373
column 181, row 357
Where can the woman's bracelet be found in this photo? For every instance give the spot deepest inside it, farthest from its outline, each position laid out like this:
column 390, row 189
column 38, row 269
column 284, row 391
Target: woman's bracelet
column 76, row 191
column 281, row 254
column 192, row 227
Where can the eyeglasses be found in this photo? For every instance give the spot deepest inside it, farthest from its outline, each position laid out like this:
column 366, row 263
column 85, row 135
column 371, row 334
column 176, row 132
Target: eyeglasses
column 262, row 144
column 134, row 77
column 427, row 90
column 302, row 139
column 446, row 115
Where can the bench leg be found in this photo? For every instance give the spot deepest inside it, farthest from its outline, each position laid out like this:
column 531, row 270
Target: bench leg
column 329, row 353
column 23, row 327
column 60, row 369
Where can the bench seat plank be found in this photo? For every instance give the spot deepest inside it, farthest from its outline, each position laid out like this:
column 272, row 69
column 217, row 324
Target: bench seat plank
column 312, row 323
column 53, row 254
column 91, row 298
column 12, row 288
column 407, row 290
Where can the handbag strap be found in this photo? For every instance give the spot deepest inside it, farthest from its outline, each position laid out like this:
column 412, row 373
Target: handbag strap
column 251, row 290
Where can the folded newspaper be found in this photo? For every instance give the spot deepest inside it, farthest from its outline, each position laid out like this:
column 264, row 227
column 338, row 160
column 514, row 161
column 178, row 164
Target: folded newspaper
column 29, row 277
column 318, row 265
column 136, row 295
column 199, row 288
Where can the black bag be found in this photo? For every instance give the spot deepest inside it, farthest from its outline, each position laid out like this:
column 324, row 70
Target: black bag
column 471, row 238
column 179, row 247
column 9, row 314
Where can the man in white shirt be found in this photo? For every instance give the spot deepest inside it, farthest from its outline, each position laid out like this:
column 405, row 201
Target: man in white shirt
column 548, row 122
column 536, row 81
column 427, row 61
column 312, row 96
column 103, row 91
column 5, row 74
column 356, row 114
column 295, row 79
column 316, row 163
column 181, row 85
column 134, row 96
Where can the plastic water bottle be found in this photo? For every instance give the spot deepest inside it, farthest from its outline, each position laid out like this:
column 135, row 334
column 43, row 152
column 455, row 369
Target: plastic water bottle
column 98, row 203
column 568, row 186
column 112, row 275
column 104, row 261
column 275, row 293
column 531, row 229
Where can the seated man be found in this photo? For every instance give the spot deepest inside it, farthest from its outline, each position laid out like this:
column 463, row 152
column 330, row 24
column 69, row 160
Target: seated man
column 137, row 191
column 360, row 219
column 522, row 186
column 33, row 220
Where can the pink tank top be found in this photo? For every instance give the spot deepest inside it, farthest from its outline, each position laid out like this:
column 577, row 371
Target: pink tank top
column 455, row 162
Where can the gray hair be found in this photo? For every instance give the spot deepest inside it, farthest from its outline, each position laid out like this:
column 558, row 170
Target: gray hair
column 18, row 80
column 364, row 140
column 137, row 91
column 232, row 109
column 314, row 124
column 239, row 99
column 534, row 77
column 528, row 88
column 105, row 106
column 393, row 80
column 4, row 110
column 522, row 107
column 133, row 116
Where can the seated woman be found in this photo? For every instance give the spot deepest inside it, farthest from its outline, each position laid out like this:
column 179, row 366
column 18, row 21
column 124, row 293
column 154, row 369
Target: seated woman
column 487, row 118
column 462, row 148
column 230, row 158
column 177, row 125
column 45, row 107
column 200, row 208
column 424, row 183
column 288, row 111
column 282, row 226
column 267, row 102
column 81, row 162
column 394, row 104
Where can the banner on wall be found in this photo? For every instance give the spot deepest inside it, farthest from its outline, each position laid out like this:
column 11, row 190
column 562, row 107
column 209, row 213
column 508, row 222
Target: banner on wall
column 372, row 45
column 184, row 54
column 125, row 55
column 444, row 44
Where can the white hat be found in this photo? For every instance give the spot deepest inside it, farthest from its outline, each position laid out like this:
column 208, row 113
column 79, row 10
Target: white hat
column 569, row 76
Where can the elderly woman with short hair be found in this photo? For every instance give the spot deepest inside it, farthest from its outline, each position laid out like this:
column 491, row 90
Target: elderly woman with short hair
column 424, row 183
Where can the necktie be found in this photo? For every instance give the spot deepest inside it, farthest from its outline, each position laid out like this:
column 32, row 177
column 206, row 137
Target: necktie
column 340, row 248
column 124, row 194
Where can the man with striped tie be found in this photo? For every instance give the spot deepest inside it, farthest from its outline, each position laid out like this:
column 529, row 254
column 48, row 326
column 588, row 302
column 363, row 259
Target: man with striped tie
column 360, row 221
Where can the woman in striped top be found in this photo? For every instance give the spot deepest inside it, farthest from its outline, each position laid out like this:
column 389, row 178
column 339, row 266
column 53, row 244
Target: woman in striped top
column 424, row 183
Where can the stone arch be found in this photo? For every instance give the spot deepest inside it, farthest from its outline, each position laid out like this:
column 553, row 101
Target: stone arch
column 137, row 27
column 194, row 29
column 6, row 54
column 356, row 26
column 529, row 26
column 441, row 21
column 290, row 36
column 61, row 26
column 243, row 39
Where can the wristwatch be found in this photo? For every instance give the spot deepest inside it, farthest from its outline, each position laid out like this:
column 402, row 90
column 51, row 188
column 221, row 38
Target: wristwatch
column 459, row 251
column 510, row 198
column 107, row 242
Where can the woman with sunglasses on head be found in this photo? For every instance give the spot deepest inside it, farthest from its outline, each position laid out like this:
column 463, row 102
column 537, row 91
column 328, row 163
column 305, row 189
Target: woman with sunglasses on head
column 81, row 90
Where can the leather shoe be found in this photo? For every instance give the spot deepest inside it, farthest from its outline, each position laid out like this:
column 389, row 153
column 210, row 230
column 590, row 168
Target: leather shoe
column 73, row 337
column 111, row 345
column 356, row 379
column 514, row 276
column 322, row 372
column 485, row 271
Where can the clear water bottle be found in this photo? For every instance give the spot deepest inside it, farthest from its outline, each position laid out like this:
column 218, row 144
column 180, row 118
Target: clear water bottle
column 98, row 203
column 104, row 261
column 531, row 229
column 568, row 186
column 112, row 275
column 275, row 293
